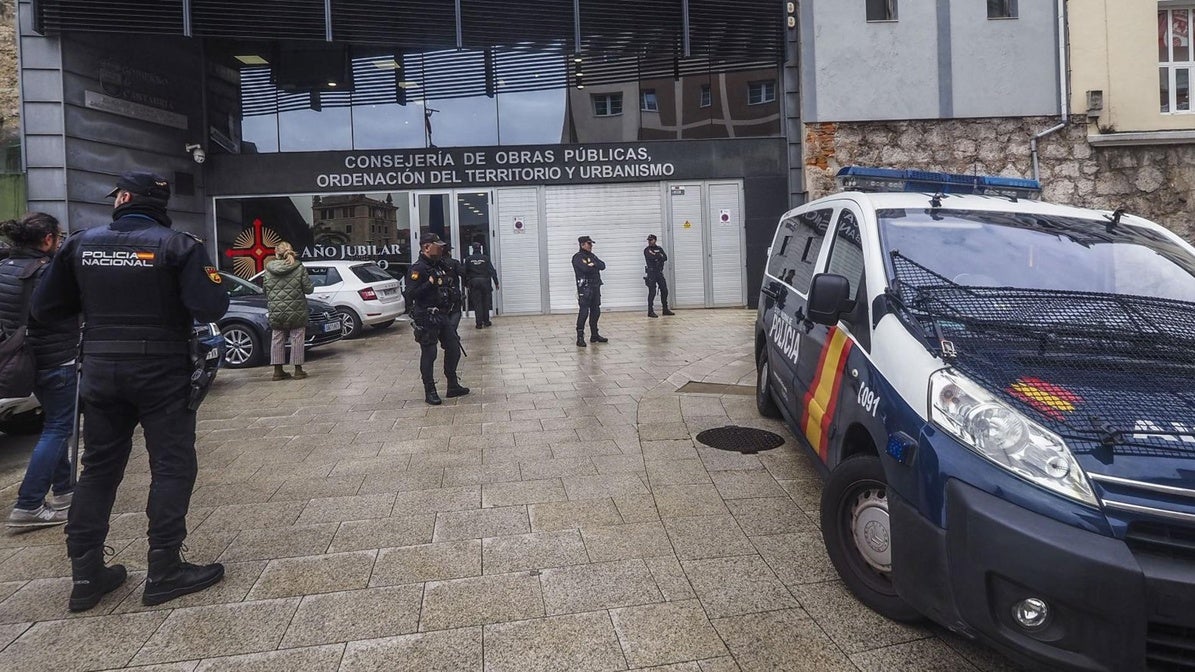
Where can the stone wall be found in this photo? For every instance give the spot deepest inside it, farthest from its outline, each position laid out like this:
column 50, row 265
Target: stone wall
column 10, row 103
column 1155, row 182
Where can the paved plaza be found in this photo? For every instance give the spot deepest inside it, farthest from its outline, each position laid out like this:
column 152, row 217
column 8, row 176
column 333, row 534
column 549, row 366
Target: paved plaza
column 560, row 517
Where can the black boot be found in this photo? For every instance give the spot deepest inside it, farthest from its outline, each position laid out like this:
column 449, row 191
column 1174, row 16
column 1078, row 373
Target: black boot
column 430, row 395
column 666, row 311
column 581, row 338
column 651, row 311
column 170, row 576
column 598, row 338
column 93, row 580
column 455, row 389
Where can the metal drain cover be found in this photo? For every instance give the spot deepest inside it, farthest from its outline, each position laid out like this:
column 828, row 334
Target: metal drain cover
column 746, row 440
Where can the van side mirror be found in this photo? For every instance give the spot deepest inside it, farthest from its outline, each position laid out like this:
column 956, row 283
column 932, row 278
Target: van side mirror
column 829, row 299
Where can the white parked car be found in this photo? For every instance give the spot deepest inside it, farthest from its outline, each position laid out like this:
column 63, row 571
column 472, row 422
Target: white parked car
column 361, row 291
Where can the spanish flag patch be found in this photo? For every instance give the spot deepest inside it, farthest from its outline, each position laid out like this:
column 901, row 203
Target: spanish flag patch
column 213, row 274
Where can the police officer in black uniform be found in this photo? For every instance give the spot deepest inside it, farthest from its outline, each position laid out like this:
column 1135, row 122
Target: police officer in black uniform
column 140, row 287
column 482, row 280
column 588, row 270
column 432, row 302
column 653, row 268
column 455, row 282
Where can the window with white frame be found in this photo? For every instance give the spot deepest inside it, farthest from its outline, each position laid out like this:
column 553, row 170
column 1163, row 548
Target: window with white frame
column 607, row 104
column 647, row 101
column 759, row 93
column 1175, row 59
column 881, row 10
column 707, row 98
column 1002, row 9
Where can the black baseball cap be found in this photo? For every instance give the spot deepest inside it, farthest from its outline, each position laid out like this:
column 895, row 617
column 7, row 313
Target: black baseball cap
column 143, row 184
column 585, row 239
column 651, row 236
column 431, row 239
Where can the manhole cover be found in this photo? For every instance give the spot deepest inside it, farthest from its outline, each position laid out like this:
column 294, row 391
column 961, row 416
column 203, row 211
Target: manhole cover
column 746, row 440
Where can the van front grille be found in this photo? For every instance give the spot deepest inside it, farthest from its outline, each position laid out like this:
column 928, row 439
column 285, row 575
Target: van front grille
column 1170, row 648
column 1171, row 540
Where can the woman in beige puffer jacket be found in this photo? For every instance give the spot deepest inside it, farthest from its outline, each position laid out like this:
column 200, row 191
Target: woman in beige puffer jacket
column 286, row 284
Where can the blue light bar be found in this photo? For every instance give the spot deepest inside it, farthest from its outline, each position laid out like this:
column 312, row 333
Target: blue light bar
column 858, row 178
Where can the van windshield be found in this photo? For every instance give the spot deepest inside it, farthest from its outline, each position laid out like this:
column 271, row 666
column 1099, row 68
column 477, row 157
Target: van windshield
column 1032, row 251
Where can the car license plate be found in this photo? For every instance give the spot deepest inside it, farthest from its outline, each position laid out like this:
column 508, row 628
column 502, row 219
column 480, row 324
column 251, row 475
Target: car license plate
column 332, row 326
column 388, row 292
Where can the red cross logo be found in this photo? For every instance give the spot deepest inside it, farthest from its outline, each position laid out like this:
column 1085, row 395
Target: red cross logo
column 251, row 249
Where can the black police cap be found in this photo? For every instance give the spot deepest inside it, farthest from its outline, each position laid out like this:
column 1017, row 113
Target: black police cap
column 431, row 239
column 585, row 239
column 143, row 184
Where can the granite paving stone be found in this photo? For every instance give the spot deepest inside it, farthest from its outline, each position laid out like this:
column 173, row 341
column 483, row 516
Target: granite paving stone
column 431, row 501
column 513, row 553
column 218, row 630
column 443, row 651
column 660, row 634
column 355, row 615
column 676, row 472
column 707, row 537
column 923, row 655
column 78, row 644
column 604, row 485
column 780, row 641
column 522, row 492
column 737, row 585
column 279, row 542
column 289, row 577
column 799, row 557
column 853, row 627
column 622, row 542
column 480, row 600
column 337, row 509
column 46, row 600
column 670, row 577
column 481, row 523
column 313, row 659
column 365, row 534
column 576, row 642
column 572, row 514
column 769, row 515
column 427, row 562
column 747, row 484
column 674, row 501
column 602, row 585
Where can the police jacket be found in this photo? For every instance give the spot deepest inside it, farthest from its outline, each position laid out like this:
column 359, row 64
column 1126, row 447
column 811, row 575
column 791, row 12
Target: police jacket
column 588, row 269
column 286, row 285
column 427, row 287
column 479, row 270
column 654, row 257
column 138, row 284
column 454, row 276
column 53, row 343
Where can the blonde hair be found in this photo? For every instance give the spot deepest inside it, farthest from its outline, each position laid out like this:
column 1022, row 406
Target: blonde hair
column 285, row 251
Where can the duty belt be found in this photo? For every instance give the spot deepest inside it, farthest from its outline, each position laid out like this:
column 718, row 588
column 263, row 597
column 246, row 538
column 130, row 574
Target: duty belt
column 136, row 348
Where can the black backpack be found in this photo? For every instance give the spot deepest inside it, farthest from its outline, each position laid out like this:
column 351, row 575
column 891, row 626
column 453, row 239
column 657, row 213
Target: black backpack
column 18, row 367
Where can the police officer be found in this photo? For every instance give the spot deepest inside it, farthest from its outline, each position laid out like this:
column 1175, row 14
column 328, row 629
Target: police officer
column 455, row 281
column 140, row 287
column 432, row 302
column 654, row 258
column 482, row 280
column 588, row 270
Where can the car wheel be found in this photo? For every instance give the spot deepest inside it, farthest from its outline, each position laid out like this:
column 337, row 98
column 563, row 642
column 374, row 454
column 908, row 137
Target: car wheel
column 243, row 346
column 857, row 534
column 383, row 325
column 352, row 323
column 764, row 403
column 24, row 423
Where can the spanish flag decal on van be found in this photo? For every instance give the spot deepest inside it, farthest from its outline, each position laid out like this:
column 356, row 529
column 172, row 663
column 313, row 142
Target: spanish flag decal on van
column 1049, row 399
column 822, row 398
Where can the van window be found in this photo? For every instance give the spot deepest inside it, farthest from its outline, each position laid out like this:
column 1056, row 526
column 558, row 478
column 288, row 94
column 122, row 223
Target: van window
column 846, row 256
column 322, row 276
column 799, row 243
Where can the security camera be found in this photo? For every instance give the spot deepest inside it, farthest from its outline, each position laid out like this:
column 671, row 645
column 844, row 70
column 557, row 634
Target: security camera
column 197, row 153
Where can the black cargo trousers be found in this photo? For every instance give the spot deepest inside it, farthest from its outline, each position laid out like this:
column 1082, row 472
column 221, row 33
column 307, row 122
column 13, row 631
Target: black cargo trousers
column 116, row 395
column 432, row 328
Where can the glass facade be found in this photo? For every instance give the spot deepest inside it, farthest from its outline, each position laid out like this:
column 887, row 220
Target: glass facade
column 467, row 99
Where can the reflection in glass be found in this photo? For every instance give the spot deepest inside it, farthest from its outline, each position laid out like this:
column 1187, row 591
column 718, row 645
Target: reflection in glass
column 1164, row 82
column 1182, row 89
column 1164, row 36
column 391, row 126
column 461, row 122
column 261, row 132
column 473, row 213
column 434, row 216
column 531, row 118
column 315, row 130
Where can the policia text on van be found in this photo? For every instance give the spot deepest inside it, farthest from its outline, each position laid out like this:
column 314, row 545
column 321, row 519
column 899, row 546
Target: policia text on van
column 1002, row 394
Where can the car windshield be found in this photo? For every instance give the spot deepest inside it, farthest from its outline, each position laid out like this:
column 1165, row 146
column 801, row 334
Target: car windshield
column 369, row 273
column 238, row 287
column 1032, row 251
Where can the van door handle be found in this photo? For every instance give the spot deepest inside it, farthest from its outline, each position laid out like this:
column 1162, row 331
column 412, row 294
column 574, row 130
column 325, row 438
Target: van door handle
column 768, row 291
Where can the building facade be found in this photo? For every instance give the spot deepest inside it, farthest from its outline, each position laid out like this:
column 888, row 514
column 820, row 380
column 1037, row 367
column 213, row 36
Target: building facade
column 348, row 128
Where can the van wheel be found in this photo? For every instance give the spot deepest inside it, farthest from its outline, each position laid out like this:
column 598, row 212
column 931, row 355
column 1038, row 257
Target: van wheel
column 764, row 402
column 857, row 534
column 351, row 323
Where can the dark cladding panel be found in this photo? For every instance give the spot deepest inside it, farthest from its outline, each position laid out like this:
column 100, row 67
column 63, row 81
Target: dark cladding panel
column 116, row 16
column 543, row 24
column 274, row 19
column 412, row 23
column 733, row 32
column 633, row 27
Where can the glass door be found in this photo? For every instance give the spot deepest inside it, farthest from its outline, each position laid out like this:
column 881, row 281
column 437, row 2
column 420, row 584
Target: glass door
column 434, row 214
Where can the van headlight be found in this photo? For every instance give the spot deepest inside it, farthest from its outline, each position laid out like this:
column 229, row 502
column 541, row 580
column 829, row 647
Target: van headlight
column 996, row 431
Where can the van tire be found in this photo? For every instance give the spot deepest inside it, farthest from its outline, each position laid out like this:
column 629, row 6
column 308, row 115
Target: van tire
column 857, row 490
column 764, row 403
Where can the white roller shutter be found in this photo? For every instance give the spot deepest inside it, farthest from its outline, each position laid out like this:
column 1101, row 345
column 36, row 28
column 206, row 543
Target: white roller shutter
column 618, row 217
column 728, row 262
column 519, row 258
column 687, row 254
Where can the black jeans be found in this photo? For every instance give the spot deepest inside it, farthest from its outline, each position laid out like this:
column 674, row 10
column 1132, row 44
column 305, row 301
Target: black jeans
column 655, row 280
column 117, row 394
column 589, row 303
column 433, row 329
column 483, row 297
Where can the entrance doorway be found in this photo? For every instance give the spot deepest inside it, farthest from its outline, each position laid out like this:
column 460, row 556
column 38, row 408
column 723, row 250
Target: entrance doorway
column 461, row 217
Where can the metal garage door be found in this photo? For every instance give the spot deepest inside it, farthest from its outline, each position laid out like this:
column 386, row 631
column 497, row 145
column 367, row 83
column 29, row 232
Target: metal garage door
column 618, row 217
column 518, row 264
column 686, row 246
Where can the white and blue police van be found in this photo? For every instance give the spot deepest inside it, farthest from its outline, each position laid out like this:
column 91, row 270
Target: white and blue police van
column 1001, row 395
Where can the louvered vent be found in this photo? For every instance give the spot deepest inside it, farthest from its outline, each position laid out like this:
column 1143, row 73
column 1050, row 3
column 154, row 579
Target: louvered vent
column 548, row 24
column 412, row 23
column 632, row 27
column 275, row 19
column 112, row 16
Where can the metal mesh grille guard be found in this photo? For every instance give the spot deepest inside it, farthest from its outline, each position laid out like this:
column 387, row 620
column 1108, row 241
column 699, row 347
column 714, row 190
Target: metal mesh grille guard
column 1112, row 373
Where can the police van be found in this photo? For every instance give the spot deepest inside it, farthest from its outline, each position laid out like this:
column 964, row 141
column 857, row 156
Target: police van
column 1001, row 394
